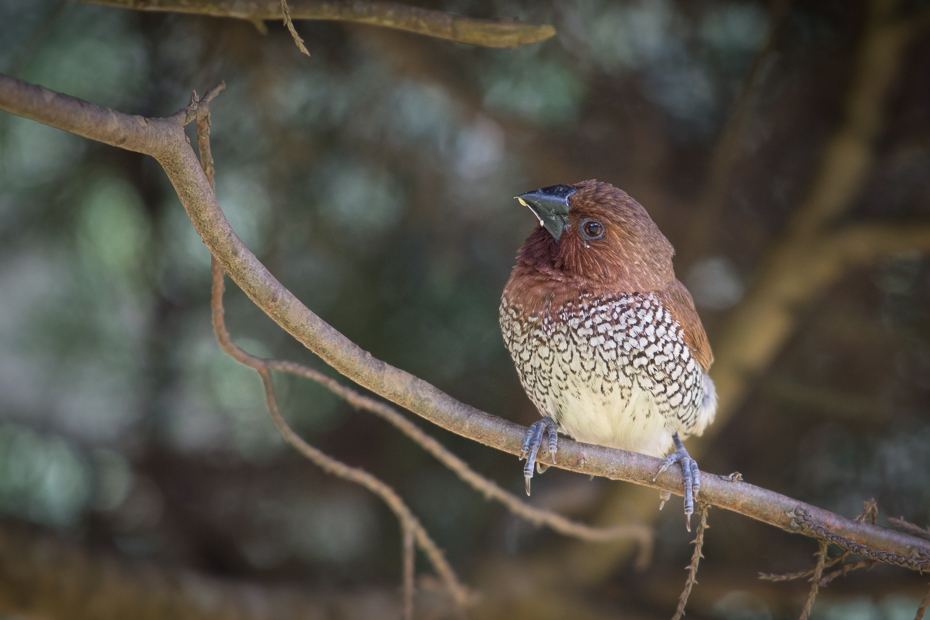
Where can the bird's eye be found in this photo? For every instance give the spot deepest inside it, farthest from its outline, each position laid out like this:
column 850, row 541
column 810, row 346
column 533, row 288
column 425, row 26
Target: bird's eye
column 592, row 229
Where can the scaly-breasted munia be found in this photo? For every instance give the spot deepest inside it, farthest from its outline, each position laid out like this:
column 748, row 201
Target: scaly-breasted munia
column 606, row 341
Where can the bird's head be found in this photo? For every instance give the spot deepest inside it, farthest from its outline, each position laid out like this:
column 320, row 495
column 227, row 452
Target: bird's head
column 594, row 233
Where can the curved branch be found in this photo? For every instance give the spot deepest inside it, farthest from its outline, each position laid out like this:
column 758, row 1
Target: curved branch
column 472, row 30
column 165, row 140
column 488, row 488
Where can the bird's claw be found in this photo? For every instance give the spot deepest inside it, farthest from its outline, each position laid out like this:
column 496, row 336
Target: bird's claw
column 690, row 473
column 664, row 496
column 531, row 443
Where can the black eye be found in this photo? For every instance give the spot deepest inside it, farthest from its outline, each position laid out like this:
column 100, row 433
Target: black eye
column 592, row 229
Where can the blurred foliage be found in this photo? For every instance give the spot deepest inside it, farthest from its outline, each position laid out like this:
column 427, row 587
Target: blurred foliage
column 375, row 180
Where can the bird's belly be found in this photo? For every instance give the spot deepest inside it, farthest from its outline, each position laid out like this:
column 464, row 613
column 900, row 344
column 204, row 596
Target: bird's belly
column 625, row 419
column 613, row 373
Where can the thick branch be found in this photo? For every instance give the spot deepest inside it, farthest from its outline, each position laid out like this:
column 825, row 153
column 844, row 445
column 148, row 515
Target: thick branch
column 475, row 31
column 398, row 386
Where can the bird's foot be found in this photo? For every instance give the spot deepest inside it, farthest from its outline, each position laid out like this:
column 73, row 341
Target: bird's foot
column 531, row 443
column 690, row 473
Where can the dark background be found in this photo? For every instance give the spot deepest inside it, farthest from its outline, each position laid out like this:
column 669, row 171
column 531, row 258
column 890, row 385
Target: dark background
column 375, row 180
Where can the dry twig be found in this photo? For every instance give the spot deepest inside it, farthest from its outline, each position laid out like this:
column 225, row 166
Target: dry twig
column 815, row 580
column 290, row 27
column 845, row 569
column 910, row 528
column 643, row 535
column 410, row 525
column 408, row 521
column 698, row 543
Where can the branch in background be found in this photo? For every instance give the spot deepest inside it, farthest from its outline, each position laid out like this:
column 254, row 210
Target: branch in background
column 165, row 140
column 802, row 263
column 44, row 576
column 728, row 150
column 484, row 32
column 910, row 528
column 863, row 243
column 790, row 276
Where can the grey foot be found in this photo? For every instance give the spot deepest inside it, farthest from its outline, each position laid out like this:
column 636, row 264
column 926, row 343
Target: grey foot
column 690, row 473
column 531, row 442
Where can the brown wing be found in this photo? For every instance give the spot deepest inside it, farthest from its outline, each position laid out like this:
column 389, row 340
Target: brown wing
column 678, row 300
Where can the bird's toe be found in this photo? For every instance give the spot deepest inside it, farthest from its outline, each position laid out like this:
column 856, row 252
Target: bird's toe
column 531, row 443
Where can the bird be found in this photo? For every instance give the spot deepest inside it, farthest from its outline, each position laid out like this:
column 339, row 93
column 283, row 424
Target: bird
column 606, row 340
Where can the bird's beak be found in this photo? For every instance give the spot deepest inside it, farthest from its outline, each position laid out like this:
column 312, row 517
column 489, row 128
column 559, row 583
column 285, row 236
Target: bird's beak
column 550, row 206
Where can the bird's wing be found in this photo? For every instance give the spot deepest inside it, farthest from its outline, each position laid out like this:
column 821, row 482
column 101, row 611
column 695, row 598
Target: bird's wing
column 678, row 300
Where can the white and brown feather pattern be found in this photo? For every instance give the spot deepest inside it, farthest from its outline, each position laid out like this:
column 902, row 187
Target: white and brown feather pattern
column 614, row 372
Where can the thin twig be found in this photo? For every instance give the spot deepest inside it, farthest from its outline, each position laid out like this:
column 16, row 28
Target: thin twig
column 910, row 528
column 486, row 487
column 804, row 574
column 290, row 27
column 410, row 525
column 924, row 603
column 695, row 562
column 327, row 463
column 330, row 465
column 845, row 569
column 815, row 581
column 458, row 28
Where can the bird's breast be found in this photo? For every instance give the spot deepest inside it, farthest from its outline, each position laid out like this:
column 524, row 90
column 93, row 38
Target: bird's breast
column 612, row 371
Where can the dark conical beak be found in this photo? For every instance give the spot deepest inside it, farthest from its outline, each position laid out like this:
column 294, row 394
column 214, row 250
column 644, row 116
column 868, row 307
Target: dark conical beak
column 550, row 206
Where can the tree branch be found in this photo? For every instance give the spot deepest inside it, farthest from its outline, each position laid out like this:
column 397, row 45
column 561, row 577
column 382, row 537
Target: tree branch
column 728, row 149
column 165, row 140
column 474, row 31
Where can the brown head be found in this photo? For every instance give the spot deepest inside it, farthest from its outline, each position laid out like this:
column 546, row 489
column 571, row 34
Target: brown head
column 596, row 236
